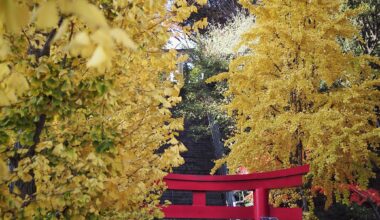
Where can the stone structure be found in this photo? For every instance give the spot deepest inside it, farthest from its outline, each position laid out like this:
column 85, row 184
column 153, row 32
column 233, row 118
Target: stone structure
column 199, row 161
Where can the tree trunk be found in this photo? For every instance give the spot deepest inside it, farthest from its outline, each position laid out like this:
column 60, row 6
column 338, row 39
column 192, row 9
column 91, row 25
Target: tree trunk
column 219, row 152
column 299, row 155
column 27, row 189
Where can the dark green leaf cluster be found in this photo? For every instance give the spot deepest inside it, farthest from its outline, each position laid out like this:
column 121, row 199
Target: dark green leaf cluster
column 201, row 100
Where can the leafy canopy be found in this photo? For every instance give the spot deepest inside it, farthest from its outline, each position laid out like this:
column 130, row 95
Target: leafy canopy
column 84, row 106
column 299, row 99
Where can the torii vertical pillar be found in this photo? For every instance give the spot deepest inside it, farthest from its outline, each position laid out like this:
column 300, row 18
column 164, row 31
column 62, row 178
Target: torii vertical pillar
column 261, row 203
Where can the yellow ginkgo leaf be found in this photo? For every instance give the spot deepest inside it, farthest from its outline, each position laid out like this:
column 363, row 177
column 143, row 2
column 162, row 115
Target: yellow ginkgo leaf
column 182, row 147
column 16, row 15
column 4, row 71
column 44, row 145
column 121, row 37
column 4, row 101
column 4, row 48
column 18, row 82
column 202, row 2
column 3, row 170
column 58, row 149
column 26, row 177
column 101, row 89
column 47, row 15
column 82, row 39
column 99, row 58
column 62, row 30
column 89, row 13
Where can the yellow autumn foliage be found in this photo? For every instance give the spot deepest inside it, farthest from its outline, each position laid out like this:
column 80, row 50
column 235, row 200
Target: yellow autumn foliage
column 85, row 107
column 299, row 99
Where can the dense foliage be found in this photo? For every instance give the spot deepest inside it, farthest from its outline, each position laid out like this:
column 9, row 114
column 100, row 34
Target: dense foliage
column 200, row 100
column 369, row 22
column 214, row 49
column 217, row 12
column 298, row 98
column 223, row 42
column 88, row 122
column 84, row 105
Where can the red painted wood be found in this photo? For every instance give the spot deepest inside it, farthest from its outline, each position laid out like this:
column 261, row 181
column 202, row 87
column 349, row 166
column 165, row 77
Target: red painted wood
column 286, row 213
column 274, row 183
column 261, row 203
column 224, row 212
column 207, row 212
column 199, row 198
column 300, row 170
column 260, row 182
column 285, row 178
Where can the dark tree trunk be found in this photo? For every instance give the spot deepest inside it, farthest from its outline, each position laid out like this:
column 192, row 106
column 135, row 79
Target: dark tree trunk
column 219, row 153
column 27, row 189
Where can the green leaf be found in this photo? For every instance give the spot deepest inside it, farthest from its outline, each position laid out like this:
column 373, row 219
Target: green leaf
column 4, row 137
column 104, row 146
column 67, row 86
column 52, row 83
column 3, row 148
column 26, row 138
column 101, row 88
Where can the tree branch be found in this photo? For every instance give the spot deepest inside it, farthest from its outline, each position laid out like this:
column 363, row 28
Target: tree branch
column 45, row 50
column 36, row 138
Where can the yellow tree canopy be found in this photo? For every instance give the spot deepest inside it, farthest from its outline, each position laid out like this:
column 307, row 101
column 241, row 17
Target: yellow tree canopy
column 85, row 105
column 299, row 99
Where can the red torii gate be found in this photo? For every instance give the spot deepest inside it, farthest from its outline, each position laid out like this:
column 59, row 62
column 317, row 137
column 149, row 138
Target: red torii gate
column 261, row 183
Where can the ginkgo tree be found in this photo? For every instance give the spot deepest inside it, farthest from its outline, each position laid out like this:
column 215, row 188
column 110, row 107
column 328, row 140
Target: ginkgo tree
column 85, row 105
column 298, row 98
